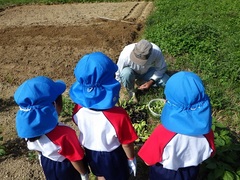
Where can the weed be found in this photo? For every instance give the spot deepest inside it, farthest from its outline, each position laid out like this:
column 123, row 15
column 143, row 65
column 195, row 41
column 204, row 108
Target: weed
column 32, row 155
column 68, row 106
column 226, row 162
column 2, row 148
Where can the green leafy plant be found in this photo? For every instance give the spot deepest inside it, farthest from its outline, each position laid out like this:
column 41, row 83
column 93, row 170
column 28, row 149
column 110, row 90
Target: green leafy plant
column 141, row 130
column 32, row 155
column 226, row 162
column 155, row 106
column 2, row 148
column 68, row 106
column 139, row 117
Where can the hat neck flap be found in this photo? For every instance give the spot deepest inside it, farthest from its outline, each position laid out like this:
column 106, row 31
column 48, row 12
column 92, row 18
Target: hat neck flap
column 187, row 109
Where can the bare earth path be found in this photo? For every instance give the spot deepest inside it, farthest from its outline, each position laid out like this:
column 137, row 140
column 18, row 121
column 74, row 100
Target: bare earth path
column 49, row 40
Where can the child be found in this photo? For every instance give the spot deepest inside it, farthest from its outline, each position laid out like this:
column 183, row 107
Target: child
column 40, row 103
column 106, row 131
column 184, row 139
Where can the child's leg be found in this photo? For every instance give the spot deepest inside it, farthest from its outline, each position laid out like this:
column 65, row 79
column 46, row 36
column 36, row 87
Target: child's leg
column 100, row 178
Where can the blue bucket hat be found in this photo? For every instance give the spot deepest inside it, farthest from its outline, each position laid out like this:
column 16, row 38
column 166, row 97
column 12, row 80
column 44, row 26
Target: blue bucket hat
column 37, row 114
column 95, row 86
column 187, row 109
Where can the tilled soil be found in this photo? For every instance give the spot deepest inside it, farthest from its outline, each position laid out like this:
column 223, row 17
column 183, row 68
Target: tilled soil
column 49, row 40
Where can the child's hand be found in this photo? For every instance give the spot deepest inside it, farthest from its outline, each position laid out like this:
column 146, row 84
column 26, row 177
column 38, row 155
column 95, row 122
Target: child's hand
column 85, row 176
column 132, row 164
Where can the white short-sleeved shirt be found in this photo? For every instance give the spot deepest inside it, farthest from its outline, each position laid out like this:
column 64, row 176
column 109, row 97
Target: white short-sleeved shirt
column 174, row 150
column 103, row 130
column 59, row 144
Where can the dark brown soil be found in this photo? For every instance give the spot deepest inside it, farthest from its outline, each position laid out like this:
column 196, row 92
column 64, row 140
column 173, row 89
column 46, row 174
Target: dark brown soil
column 49, row 40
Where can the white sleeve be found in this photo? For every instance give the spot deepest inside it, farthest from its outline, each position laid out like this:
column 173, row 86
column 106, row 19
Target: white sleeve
column 159, row 63
column 123, row 60
column 120, row 67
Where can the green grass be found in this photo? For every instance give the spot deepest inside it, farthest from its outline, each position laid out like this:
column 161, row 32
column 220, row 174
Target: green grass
column 203, row 37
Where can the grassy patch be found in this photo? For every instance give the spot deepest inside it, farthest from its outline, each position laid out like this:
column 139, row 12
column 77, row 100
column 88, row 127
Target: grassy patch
column 203, row 37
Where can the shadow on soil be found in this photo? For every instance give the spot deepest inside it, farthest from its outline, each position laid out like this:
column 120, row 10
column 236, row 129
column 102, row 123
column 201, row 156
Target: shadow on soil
column 14, row 148
column 6, row 103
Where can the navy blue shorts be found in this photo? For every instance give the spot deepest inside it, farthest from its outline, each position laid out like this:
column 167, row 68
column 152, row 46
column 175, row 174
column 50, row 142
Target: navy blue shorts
column 59, row 170
column 157, row 172
column 112, row 165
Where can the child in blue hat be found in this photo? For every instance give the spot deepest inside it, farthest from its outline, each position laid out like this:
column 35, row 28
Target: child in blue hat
column 60, row 153
column 184, row 139
column 106, row 131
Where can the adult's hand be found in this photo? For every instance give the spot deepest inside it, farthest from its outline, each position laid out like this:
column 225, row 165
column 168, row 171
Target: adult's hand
column 146, row 85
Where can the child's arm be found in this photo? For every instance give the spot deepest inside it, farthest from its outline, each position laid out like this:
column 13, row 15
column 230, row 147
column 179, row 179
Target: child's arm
column 81, row 168
column 129, row 150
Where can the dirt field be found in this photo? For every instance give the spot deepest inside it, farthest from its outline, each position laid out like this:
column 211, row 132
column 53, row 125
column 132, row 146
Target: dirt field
column 49, row 40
